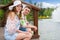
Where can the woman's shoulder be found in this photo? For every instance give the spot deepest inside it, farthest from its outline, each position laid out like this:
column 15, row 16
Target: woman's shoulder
column 11, row 15
column 11, row 12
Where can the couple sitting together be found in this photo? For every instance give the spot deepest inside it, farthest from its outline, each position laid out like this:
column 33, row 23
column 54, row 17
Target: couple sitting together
column 16, row 27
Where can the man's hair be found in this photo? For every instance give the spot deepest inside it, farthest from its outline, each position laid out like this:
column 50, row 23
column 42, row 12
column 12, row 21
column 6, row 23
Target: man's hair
column 28, row 7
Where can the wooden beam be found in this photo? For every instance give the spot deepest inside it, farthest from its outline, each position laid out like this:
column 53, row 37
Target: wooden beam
column 35, row 14
column 1, row 6
column 33, row 6
column 6, row 6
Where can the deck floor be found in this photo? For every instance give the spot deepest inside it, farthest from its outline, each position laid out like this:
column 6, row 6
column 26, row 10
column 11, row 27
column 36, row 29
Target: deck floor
column 2, row 34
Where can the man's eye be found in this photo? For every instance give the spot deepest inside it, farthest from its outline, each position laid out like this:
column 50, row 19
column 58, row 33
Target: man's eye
column 26, row 9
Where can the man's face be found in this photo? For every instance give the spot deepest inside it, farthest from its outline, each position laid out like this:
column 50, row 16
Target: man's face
column 26, row 11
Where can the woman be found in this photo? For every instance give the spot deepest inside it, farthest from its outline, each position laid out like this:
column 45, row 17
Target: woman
column 12, row 31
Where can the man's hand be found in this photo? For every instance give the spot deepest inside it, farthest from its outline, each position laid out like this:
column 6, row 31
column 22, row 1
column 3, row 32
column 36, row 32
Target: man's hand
column 35, row 28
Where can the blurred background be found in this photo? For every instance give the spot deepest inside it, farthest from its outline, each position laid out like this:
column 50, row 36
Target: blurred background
column 48, row 29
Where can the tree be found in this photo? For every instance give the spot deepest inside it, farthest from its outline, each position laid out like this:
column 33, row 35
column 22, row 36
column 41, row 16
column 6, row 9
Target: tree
column 48, row 12
column 4, row 2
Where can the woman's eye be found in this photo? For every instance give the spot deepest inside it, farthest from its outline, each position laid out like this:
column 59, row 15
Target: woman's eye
column 19, row 6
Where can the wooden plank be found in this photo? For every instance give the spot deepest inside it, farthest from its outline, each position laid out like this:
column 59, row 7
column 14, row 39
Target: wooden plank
column 35, row 14
column 33, row 6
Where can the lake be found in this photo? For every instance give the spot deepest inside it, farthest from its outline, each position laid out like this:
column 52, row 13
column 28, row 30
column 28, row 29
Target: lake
column 49, row 30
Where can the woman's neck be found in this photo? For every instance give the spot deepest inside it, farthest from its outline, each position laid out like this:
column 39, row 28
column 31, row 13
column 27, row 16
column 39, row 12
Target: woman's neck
column 17, row 13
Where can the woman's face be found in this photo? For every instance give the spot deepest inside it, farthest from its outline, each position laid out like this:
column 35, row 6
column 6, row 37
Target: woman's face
column 26, row 11
column 18, row 8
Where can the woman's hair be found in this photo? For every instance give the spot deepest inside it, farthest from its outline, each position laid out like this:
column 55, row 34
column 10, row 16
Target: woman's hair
column 8, row 12
column 5, row 17
column 14, row 10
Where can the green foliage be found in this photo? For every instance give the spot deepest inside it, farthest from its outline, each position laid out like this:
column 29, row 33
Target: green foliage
column 41, row 12
column 45, row 13
column 1, row 14
column 4, row 2
column 48, row 12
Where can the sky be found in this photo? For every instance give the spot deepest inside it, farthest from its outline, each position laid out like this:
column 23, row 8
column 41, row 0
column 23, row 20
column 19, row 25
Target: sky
column 51, row 1
column 48, row 1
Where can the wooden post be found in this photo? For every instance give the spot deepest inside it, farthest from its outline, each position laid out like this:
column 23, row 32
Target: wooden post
column 35, row 14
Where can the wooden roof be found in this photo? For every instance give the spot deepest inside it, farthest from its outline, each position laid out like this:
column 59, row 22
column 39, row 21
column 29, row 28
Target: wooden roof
column 32, row 6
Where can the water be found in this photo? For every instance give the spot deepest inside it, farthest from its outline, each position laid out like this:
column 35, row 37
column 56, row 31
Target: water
column 56, row 15
column 49, row 30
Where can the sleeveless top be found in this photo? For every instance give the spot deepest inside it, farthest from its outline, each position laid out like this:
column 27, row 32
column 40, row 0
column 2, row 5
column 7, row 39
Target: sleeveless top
column 12, row 25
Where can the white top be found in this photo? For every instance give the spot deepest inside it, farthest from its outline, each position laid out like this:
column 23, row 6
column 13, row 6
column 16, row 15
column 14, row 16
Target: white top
column 12, row 25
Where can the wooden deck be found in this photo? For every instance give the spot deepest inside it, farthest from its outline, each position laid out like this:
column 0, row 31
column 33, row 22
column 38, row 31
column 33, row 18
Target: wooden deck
column 2, row 34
